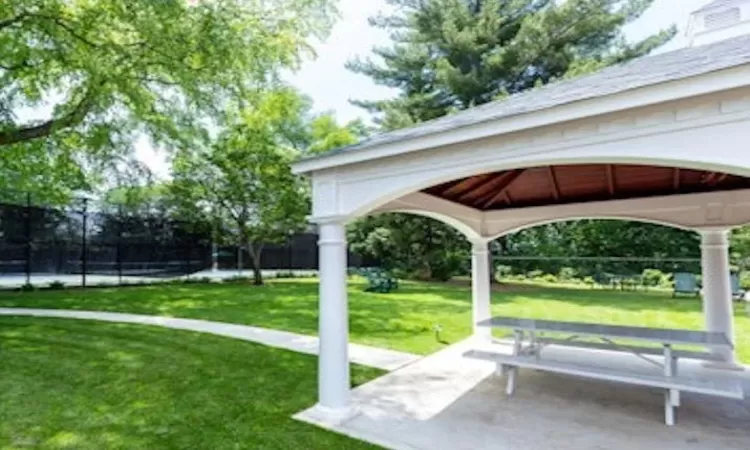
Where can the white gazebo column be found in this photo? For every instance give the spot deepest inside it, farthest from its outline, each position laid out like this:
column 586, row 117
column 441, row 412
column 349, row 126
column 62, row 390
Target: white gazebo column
column 717, row 290
column 333, row 327
column 480, row 288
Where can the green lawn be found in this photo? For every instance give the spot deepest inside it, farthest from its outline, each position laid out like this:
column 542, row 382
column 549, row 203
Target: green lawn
column 67, row 384
column 402, row 320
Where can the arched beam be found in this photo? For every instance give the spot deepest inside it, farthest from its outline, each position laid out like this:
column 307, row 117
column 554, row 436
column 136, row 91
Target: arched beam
column 675, row 134
column 725, row 209
column 466, row 220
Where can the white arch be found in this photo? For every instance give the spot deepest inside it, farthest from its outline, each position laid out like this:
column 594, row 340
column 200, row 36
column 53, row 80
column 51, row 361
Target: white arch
column 464, row 219
column 461, row 227
column 363, row 188
column 573, row 219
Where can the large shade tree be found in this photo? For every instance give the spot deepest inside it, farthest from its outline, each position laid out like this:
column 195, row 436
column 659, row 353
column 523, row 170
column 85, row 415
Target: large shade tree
column 81, row 79
column 450, row 55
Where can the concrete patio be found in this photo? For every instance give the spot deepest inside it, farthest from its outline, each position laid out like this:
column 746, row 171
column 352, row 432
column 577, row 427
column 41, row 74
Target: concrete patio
column 446, row 401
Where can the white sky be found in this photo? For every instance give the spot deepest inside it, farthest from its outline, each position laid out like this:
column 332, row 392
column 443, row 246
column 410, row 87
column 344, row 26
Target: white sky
column 331, row 85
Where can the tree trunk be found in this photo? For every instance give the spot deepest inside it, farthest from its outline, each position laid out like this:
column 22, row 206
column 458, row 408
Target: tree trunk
column 240, row 263
column 255, row 256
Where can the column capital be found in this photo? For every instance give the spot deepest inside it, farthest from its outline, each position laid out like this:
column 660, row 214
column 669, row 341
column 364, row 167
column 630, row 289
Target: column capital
column 713, row 230
column 331, row 233
column 326, row 220
column 714, row 237
column 480, row 245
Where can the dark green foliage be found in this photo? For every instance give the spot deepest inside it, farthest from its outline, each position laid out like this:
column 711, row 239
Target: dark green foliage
column 199, row 280
column 57, row 285
column 600, row 238
column 28, row 287
column 655, row 277
column 420, row 247
column 237, row 279
column 97, row 75
column 449, row 55
column 285, row 274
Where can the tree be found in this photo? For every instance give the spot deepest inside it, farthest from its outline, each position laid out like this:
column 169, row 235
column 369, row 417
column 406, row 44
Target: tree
column 603, row 238
column 81, row 79
column 242, row 183
column 740, row 248
column 326, row 134
column 450, row 55
column 418, row 246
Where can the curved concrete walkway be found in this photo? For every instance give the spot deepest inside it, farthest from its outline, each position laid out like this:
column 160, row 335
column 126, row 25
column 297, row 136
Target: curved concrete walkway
column 359, row 354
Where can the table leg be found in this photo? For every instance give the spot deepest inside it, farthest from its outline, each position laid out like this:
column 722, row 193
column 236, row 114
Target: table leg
column 668, row 408
column 671, row 396
column 533, row 344
column 512, row 371
column 675, row 392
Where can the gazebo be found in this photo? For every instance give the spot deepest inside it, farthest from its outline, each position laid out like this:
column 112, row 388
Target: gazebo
column 663, row 139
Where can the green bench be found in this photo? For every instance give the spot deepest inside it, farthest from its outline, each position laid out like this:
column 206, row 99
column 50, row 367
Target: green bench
column 378, row 280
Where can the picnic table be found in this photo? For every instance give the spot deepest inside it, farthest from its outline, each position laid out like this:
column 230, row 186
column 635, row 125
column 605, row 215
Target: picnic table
column 528, row 353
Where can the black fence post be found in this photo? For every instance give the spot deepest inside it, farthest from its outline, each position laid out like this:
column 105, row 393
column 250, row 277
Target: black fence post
column 27, row 226
column 84, row 256
column 290, row 253
column 189, row 254
column 119, row 245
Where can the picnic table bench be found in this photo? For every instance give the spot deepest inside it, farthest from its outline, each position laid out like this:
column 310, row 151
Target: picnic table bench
column 528, row 354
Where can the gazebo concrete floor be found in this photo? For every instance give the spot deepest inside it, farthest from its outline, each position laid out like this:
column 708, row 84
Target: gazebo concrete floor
column 445, row 401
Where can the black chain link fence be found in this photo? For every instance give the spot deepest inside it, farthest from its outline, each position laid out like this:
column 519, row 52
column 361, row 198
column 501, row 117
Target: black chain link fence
column 77, row 245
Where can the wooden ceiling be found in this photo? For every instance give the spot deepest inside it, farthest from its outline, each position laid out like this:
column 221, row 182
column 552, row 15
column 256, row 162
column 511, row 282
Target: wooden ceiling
column 551, row 185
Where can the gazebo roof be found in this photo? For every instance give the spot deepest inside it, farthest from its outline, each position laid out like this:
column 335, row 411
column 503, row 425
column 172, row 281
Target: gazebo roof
column 648, row 71
column 716, row 4
column 579, row 183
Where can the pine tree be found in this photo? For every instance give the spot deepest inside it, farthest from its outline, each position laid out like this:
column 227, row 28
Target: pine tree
column 450, row 55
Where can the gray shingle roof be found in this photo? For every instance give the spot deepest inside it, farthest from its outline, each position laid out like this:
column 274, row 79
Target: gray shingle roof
column 646, row 71
column 716, row 4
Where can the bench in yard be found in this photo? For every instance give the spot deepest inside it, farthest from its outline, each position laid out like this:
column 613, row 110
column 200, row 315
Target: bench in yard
column 528, row 354
column 672, row 385
column 378, row 280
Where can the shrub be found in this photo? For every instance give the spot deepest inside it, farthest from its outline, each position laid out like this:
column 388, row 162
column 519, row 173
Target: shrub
column 567, row 273
column 399, row 273
column 667, row 281
column 653, row 277
column 445, row 268
column 745, row 279
column 502, row 272
column 589, row 281
column 285, row 274
column 28, row 287
column 548, row 278
column 199, row 280
column 236, row 279
column 57, row 285
column 534, row 274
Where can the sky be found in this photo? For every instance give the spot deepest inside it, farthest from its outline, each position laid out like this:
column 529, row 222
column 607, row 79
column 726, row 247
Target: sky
column 331, row 85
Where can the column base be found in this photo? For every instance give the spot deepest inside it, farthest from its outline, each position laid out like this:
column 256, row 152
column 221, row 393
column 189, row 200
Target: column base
column 325, row 416
column 483, row 335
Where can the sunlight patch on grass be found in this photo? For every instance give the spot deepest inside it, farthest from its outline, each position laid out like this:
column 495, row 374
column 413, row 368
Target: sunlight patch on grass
column 81, row 389
column 402, row 320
